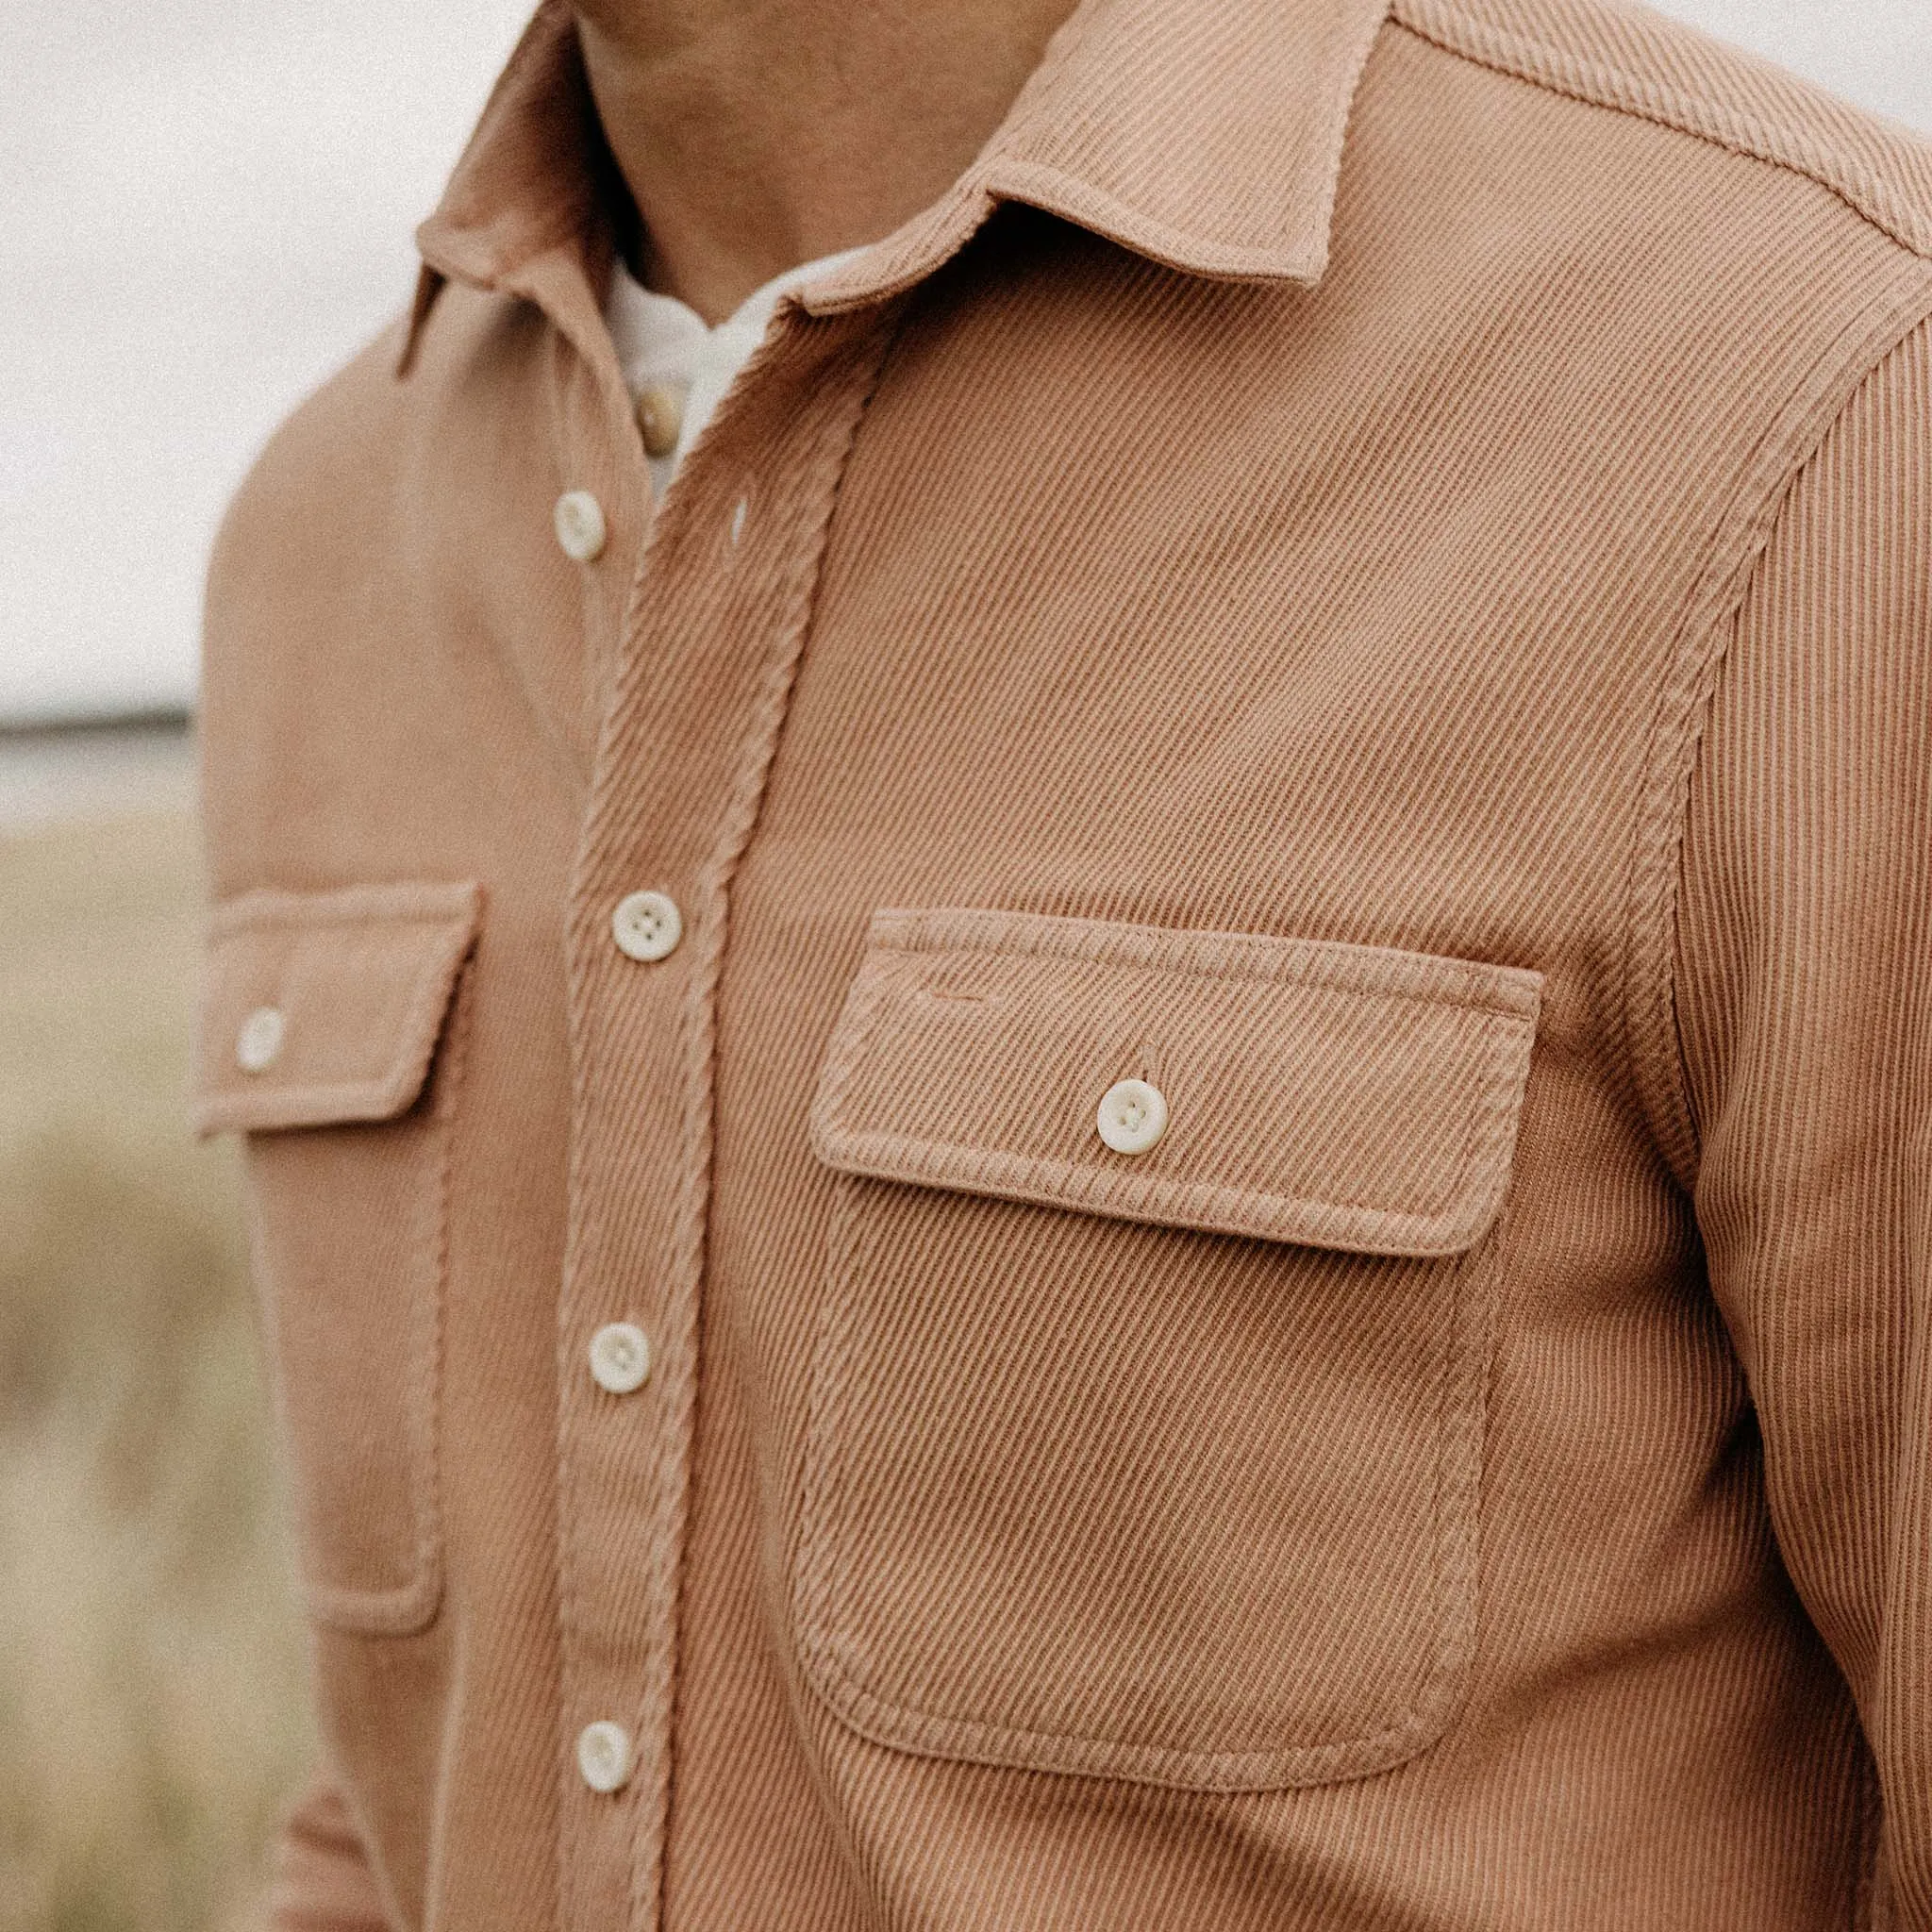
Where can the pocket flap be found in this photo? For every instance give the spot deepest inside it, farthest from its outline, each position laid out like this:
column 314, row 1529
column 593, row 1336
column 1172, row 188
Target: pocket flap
column 1341, row 1096
column 321, row 1008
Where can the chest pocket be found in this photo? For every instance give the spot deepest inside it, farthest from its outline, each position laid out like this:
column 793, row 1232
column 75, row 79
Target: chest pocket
column 325, row 1036
column 1157, row 1464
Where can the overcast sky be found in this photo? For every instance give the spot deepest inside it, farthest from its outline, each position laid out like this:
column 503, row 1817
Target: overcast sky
column 208, row 204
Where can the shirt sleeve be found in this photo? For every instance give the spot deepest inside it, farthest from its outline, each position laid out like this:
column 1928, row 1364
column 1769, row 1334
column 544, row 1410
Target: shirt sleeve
column 1803, row 995
column 322, row 1881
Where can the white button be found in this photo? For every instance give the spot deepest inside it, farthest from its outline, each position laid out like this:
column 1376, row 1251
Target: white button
column 620, row 1356
column 646, row 925
column 261, row 1039
column 603, row 1756
column 579, row 519
column 738, row 523
column 1133, row 1116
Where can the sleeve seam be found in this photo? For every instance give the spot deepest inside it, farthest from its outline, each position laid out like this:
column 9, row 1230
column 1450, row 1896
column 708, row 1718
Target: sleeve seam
column 1680, row 724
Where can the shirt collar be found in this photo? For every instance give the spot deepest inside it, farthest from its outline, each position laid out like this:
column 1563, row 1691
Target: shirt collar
column 1206, row 136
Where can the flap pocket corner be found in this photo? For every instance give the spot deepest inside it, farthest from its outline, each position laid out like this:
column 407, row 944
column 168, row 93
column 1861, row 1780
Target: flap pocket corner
column 320, row 1009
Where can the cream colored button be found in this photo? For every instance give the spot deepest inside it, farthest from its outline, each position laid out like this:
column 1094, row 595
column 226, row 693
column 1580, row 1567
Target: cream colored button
column 1133, row 1116
column 579, row 519
column 603, row 1756
column 660, row 418
column 261, row 1039
column 620, row 1356
column 646, row 925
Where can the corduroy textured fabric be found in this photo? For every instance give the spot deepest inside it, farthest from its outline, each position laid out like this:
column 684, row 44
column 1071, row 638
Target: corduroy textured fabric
column 1371, row 569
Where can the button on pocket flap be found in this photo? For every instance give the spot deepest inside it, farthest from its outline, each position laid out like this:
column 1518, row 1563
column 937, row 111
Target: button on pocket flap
column 1341, row 1096
column 324, row 1008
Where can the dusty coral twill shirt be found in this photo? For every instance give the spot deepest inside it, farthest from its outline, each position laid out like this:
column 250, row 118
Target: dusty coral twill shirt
column 1369, row 570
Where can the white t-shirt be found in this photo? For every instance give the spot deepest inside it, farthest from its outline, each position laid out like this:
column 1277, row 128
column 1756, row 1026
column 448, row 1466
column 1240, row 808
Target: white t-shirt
column 665, row 346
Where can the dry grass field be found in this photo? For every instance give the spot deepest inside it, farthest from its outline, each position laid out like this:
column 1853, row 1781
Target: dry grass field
column 150, row 1667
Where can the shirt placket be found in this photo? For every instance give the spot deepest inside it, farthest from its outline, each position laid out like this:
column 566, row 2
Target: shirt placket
column 715, row 621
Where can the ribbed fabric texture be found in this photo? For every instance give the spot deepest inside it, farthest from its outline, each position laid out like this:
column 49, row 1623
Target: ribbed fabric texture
column 1389, row 601
column 1805, row 998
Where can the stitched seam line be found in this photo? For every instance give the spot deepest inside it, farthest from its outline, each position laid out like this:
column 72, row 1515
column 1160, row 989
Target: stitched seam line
column 1241, row 1210
column 407, row 1606
column 1866, row 195
column 410, row 904
column 1410, row 1716
column 1299, row 962
column 698, row 1028
column 1676, row 737
column 830, row 1659
column 1454, row 1540
column 268, row 1107
column 1244, row 1210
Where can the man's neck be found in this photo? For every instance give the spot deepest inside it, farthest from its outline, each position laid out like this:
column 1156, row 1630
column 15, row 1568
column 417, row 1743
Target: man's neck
column 756, row 135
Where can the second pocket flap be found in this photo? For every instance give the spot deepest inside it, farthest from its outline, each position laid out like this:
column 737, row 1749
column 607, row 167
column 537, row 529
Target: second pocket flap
column 1342, row 1096
column 324, row 1008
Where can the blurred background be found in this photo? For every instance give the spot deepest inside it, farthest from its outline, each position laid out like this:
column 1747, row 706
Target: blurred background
column 208, row 205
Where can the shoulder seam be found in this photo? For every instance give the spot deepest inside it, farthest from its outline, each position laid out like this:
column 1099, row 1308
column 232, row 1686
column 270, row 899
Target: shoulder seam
column 1866, row 194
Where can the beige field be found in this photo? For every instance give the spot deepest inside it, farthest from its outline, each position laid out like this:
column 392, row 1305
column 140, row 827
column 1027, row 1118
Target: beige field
column 151, row 1669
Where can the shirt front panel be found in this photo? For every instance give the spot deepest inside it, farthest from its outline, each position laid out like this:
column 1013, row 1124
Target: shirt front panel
column 1066, row 711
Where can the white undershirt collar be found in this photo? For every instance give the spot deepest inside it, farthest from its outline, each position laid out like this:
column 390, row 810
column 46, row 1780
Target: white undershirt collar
column 671, row 357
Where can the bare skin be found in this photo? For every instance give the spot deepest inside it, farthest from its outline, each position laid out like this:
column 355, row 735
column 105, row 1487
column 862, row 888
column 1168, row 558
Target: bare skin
column 758, row 134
